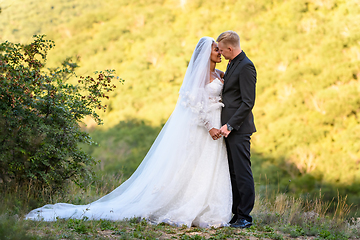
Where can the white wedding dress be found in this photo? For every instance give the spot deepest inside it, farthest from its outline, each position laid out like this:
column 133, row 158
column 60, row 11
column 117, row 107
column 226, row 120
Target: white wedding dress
column 183, row 180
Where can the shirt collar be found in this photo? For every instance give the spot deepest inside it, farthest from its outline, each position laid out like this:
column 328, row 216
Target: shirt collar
column 237, row 57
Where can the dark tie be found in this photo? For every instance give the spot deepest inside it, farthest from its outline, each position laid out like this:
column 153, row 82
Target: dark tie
column 228, row 66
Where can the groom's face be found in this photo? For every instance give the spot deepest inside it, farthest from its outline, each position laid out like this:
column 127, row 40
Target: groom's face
column 225, row 50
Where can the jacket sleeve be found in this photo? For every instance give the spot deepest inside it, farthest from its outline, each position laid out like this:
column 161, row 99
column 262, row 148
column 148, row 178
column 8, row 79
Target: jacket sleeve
column 247, row 82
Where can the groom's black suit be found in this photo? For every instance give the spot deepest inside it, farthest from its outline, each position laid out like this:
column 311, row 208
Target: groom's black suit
column 239, row 98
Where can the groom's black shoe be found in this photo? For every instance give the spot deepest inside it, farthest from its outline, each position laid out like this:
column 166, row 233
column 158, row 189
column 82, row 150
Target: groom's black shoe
column 241, row 223
column 234, row 218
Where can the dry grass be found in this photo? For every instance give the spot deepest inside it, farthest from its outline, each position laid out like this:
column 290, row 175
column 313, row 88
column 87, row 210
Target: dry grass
column 277, row 216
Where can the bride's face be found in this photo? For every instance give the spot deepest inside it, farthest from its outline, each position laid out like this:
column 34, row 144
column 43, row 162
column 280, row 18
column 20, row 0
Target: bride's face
column 215, row 53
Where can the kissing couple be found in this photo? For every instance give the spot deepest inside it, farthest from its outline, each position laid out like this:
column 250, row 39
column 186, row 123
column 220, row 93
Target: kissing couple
column 198, row 170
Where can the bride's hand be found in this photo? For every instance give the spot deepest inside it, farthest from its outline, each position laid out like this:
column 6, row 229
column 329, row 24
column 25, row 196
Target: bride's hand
column 215, row 133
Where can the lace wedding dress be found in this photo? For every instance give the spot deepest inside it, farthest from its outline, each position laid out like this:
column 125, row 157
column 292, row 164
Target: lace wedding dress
column 183, row 180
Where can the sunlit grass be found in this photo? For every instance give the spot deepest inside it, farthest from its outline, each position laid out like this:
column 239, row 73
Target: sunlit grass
column 276, row 216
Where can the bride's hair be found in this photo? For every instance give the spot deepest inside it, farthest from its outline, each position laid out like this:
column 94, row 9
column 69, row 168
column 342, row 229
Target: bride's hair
column 229, row 37
column 199, row 47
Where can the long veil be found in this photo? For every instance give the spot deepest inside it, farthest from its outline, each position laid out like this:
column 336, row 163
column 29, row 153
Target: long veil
column 176, row 147
column 176, row 137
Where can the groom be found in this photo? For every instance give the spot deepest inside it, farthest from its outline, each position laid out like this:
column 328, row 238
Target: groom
column 238, row 125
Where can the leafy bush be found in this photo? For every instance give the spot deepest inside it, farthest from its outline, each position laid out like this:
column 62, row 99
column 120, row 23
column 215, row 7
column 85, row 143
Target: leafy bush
column 40, row 115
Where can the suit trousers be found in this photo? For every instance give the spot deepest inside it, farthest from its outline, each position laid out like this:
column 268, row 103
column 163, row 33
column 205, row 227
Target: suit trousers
column 242, row 181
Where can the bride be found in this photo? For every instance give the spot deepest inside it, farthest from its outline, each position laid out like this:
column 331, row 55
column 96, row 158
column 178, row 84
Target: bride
column 184, row 178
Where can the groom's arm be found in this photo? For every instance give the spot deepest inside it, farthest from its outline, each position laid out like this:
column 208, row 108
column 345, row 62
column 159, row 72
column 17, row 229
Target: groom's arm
column 247, row 82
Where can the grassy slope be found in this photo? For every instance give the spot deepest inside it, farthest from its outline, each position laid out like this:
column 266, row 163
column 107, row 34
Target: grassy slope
column 278, row 217
column 306, row 52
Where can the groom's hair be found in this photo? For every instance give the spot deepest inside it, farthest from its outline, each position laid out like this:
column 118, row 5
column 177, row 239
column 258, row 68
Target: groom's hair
column 229, row 37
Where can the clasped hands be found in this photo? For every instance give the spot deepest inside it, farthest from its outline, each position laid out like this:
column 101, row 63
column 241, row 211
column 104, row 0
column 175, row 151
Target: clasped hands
column 218, row 133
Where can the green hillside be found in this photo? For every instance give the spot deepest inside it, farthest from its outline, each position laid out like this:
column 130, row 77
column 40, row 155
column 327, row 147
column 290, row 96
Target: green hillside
column 307, row 54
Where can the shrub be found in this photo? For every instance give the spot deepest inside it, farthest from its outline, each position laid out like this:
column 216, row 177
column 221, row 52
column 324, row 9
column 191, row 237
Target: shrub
column 40, row 115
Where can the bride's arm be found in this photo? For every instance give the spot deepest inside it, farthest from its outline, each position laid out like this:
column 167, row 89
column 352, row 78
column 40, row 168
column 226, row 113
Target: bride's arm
column 207, row 124
column 214, row 132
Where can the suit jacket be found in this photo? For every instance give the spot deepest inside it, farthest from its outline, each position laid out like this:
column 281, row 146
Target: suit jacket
column 239, row 95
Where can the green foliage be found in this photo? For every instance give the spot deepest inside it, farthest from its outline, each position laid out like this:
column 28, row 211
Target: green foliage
column 224, row 233
column 40, row 112
column 297, row 231
column 122, row 147
column 193, row 237
column 106, row 225
column 79, row 225
column 12, row 229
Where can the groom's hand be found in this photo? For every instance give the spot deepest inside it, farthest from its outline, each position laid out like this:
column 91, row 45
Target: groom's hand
column 215, row 133
column 224, row 131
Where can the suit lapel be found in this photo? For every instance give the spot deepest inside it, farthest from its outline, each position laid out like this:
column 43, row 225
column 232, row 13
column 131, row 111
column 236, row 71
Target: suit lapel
column 229, row 72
